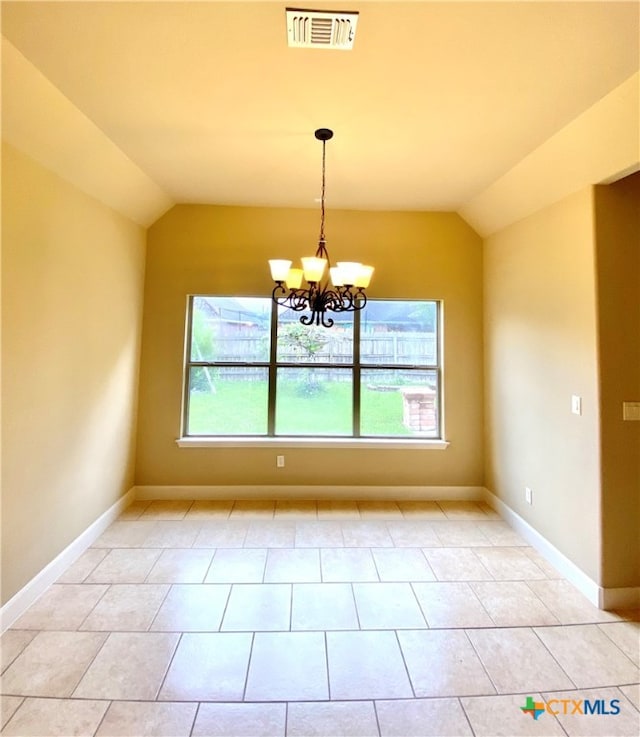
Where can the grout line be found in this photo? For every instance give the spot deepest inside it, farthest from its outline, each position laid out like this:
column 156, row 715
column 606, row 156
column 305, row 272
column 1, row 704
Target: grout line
column 97, row 729
column 326, row 662
column 246, row 676
column 169, row 664
column 195, row 718
column 406, row 667
column 375, row 713
column 464, row 711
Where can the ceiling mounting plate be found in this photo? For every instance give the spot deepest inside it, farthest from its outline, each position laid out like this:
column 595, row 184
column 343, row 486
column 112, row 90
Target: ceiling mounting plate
column 321, row 29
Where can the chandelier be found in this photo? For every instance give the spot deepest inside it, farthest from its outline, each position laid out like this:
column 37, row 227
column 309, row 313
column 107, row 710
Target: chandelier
column 348, row 279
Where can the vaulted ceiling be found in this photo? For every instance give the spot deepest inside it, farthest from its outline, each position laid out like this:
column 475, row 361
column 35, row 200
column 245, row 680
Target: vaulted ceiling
column 436, row 101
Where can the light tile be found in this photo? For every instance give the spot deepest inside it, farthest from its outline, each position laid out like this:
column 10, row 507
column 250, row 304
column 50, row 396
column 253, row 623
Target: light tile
column 209, row 509
column 421, row 510
column 271, row 535
column 567, row 604
column 456, row 564
column 208, row 667
column 339, row 565
column 221, row 535
column 451, row 604
column 192, row 608
column 338, row 509
column 443, row 663
column 366, row 535
column 124, row 566
column 296, row 508
column 323, row 606
column 61, row 607
column 181, row 566
column 240, row 720
column 542, row 563
column 51, row 664
column 402, row 564
column 499, row 533
column 332, row 719
column 632, row 692
column 127, row 608
column 56, row 718
column 512, row 603
column 166, row 510
column 130, row 666
column 293, row 565
column 288, row 666
column 463, row 510
column 248, row 509
column 8, row 707
column 258, row 607
column 588, row 656
column 379, row 510
column 172, row 534
column 12, row 643
column 413, row 534
column 147, row 719
column 82, row 567
column 626, row 635
column 516, row 661
column 387, row 606
column 134, row 510
column 237, row 566
column 366, row 665
column 460, row 534
column 489, row 510
column 502, row 716
column 622, row 720
column 422, row 718
column 319, row 534
column 124, row 534
column 509, row 564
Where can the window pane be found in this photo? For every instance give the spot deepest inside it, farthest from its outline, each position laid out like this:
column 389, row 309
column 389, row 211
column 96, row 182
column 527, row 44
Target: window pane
column 394, row 332
column 228, row 400
column 314, row 401
column 399, row 402
column 298, row 343
column 230, row 329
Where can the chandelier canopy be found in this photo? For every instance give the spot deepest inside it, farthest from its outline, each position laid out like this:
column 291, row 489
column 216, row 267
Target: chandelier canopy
column 342, row 291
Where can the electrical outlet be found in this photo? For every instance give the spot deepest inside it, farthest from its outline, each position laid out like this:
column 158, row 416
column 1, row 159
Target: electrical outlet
column 528, row 495
column 280, row 461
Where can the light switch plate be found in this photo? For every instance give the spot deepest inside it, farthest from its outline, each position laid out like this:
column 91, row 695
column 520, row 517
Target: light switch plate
column 576, row 404
column 631, row 411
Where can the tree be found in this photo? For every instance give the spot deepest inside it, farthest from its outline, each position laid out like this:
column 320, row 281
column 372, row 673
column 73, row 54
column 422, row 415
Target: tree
column 308, row 342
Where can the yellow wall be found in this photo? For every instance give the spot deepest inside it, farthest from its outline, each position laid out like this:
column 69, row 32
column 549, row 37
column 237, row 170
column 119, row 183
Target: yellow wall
column 540, row 348
column 618, row 274
column 72, row 285
column 224, row 250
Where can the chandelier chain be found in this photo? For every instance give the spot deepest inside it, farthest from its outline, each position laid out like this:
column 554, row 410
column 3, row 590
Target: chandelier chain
column 324, row 147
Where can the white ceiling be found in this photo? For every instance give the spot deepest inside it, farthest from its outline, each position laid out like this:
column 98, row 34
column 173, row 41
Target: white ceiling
column 435, row 103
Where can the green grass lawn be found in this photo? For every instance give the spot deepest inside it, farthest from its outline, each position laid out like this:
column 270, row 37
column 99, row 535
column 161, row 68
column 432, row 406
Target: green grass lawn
column 240, row 408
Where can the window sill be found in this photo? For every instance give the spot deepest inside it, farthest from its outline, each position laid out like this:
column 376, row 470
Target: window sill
column 313, row 443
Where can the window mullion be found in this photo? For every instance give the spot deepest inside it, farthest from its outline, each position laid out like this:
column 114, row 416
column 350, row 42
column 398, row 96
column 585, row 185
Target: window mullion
column 356, row 374
column 187, row 379
column 273, row 352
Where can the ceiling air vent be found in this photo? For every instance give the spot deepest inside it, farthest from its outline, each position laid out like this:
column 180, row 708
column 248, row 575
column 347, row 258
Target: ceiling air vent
column 321, row 29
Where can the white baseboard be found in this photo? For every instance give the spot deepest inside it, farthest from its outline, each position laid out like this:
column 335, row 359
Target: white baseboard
column 23, row 599
column 358, row 493
column 603, row 598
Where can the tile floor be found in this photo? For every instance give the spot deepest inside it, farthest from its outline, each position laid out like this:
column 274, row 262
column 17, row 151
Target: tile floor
column 315, row 618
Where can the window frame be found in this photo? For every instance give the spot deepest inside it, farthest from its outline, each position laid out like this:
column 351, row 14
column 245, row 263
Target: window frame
column 272, row 365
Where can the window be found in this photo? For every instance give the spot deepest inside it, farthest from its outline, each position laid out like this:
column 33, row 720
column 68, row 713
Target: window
column 254, row 370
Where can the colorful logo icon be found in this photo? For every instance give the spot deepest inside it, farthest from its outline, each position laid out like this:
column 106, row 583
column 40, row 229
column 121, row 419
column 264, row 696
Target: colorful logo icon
column 535, row 708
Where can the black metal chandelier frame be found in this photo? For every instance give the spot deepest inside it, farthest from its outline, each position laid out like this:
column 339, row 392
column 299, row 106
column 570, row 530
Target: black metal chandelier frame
column 319, row 297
